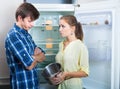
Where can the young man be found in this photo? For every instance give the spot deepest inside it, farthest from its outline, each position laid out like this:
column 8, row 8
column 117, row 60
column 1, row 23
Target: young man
column 21, row 51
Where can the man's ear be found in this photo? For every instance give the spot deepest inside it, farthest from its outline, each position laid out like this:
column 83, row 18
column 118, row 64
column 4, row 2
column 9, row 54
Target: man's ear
column 19, row 18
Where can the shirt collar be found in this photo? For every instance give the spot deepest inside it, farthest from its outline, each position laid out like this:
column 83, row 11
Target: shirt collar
column 20, row 29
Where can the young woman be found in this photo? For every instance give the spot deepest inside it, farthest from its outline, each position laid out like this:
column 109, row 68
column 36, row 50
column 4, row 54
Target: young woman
column 72, row 55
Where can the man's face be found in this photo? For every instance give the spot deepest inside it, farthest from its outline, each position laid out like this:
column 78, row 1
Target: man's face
column 27, row 23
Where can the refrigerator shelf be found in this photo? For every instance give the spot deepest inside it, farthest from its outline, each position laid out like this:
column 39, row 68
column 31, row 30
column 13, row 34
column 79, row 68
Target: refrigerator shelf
column 48, row 40
column 44, row 25
column 96, row 25
column 50, row 54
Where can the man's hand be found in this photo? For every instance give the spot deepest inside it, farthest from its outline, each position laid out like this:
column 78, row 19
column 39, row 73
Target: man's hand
column 37, row 51
column 39, row 56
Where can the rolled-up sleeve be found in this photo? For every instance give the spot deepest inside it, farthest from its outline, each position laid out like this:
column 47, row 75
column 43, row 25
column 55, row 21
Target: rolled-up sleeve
column 84, row 60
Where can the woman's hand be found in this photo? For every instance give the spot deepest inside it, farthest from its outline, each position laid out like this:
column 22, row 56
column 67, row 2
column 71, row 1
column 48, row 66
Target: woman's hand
column 58, row 78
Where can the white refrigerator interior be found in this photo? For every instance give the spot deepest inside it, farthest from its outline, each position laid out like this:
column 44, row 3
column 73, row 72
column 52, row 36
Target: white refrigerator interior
column 97, row 27
column 101, row 35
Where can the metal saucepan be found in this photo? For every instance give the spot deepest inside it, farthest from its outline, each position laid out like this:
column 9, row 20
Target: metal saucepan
column 51, row 70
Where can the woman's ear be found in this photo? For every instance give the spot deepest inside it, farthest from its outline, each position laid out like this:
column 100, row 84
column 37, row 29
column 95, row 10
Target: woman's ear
column 73, row 28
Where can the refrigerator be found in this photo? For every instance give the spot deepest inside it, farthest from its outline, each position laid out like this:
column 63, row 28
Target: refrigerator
column 46, row 35
column 100, row 23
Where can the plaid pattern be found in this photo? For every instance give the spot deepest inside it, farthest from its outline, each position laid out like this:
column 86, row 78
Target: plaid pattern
column 19, row 49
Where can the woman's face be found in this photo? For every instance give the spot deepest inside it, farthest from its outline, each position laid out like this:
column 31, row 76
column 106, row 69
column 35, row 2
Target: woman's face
column 64, row 28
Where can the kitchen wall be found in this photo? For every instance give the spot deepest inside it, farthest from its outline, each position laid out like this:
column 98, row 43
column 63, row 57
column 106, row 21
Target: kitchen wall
column 7, row 18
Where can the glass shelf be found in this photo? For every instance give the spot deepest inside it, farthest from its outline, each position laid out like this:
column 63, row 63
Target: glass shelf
column 48, row 60
column 96, row 25
column 44, row 25
column 50, row 52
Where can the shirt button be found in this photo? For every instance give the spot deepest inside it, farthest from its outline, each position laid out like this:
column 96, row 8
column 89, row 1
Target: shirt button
column 23, row 54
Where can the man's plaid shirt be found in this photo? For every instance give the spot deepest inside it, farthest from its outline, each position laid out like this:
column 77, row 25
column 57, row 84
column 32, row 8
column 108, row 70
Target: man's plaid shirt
column 19, row 50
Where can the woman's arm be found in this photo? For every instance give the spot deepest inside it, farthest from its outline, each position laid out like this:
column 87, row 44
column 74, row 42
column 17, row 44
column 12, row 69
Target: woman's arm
column 68, row 75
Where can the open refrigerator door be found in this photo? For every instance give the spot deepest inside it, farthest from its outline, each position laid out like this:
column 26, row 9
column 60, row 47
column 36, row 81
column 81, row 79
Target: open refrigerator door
column 97, row 28
column 100, row 26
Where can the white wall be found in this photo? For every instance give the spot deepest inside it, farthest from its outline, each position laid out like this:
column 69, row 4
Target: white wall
column 90, row 1
column 7, row 18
